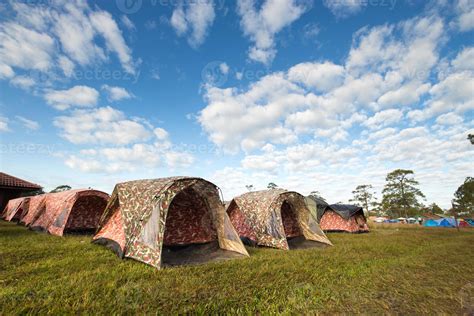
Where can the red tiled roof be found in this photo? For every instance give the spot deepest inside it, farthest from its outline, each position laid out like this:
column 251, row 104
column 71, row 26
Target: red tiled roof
column 7, row 180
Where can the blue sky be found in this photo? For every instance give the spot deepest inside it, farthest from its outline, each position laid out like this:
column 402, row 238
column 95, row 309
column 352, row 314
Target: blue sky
column 311, row 95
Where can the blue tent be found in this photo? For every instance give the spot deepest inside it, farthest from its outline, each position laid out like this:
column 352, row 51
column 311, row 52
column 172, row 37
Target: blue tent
column 470, row 221
column 430, row 223
column 446, row 222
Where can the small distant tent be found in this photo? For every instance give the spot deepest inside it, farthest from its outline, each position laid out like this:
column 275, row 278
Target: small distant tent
column 168, row 221
column 276, row 218
column 462, row 223
column 15, row 208
column 70, row 211
column 316, row 205
column 36, row 206
column 470, row 221
column 344, row 217
column 430, row 223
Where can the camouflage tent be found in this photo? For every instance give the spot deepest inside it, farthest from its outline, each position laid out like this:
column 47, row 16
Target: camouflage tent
column 168, row 221
column 36, row 206
column 273, row 218
column 15, row 208
column 343, row 217
column 70, row 211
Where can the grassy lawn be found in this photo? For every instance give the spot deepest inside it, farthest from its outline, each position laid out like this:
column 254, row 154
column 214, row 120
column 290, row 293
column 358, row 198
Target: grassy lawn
column 396, row 271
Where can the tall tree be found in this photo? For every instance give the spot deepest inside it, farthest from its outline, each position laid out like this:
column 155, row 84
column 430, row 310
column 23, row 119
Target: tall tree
column 61, row 188
column 400, row 192
column 464, row 197
column 272, row 186
column 364, row 195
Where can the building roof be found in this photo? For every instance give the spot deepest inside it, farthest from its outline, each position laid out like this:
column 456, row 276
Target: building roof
column 7, row 180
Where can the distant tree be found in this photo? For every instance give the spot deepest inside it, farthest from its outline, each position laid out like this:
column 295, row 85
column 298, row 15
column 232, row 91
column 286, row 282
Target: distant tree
column 315, row 194
column 435, row 209
column 250, row 187
column 272, row 186
column 463, row 200
column 471, row 138
column 61, row 188
column 401, row 193
column 364, row 195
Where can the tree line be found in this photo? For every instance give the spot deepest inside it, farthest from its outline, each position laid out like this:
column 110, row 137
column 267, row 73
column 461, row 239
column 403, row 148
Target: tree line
column 401, row 197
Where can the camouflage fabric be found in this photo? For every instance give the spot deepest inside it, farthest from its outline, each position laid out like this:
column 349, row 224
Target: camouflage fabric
column 15, row 208
column 268, row 217
column 332, row 221
column 189, row 208
column 36, row 206
column 72, row 210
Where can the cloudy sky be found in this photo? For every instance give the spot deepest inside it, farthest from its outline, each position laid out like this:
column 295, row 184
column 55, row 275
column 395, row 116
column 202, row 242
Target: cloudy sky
column 310, row 95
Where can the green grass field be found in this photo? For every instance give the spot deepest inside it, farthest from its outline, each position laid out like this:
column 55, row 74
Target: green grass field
column 395, row 271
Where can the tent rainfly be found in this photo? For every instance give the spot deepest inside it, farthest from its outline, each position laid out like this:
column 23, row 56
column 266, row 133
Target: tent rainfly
column 36, row 206
column 168, row 221
column 275, row 218
column 344, row 217
column 70, row 211
column 316, row 206
column 15, row 208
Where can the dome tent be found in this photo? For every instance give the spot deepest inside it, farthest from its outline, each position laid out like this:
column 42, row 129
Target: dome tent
column 69, row 211
column 344, row 217
column 168, row 221
column 276, row 218
column 15, row 208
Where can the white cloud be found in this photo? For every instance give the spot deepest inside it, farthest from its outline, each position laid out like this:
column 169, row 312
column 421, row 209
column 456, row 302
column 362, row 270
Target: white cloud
column 344, row 8
column 320, row 76
column 104, row 125
column 114, row 41
column 80, row 96
column 6, row 71
column 176, row 159
column 127, row 23
column 263, row 25
column 224, row 68
column 54, row 39
column 384, row 118
column 23, row 82
column 116, row 93
column 449, row 119
column 194, row 20
column 4, row 125
column 160, row 133
column 27, row 123
column 465, row 10
column 386, row 73
column 464, row 60
column 311, row 30
column 25, row 48
column 66, row 65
